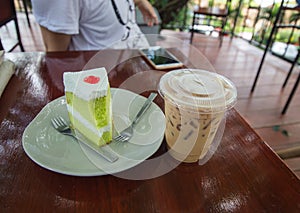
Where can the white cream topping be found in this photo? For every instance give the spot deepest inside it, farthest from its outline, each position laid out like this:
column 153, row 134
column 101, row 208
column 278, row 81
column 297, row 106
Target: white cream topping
column 86, row 123
column 76, row 83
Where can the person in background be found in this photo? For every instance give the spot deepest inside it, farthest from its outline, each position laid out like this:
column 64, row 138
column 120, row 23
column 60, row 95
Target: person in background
column 91, row 24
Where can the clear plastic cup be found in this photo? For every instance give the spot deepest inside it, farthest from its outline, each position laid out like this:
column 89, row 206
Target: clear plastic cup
column 195, row 104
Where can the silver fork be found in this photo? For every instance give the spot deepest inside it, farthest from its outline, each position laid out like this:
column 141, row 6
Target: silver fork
column 63, row 127
column 126, row 134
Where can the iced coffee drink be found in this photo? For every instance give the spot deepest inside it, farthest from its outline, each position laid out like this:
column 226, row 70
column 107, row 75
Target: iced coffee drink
column 195, row 104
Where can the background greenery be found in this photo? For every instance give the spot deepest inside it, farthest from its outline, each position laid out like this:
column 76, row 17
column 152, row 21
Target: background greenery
column 172, row 12
column 177, row 15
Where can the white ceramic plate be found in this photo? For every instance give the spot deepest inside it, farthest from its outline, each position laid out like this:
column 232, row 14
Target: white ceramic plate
column 54, row 151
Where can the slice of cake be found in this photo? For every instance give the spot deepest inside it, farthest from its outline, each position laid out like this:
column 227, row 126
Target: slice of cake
column 89, row 104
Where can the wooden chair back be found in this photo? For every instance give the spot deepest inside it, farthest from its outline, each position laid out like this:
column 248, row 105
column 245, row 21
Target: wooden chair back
column 7, row 14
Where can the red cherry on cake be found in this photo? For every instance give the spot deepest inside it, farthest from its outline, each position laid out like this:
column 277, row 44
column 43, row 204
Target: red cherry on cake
column 91, row 79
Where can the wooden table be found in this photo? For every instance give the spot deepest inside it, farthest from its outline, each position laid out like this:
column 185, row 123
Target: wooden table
column 244, row 174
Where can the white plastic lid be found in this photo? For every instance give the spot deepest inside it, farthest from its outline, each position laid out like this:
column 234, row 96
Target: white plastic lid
column 198, row 89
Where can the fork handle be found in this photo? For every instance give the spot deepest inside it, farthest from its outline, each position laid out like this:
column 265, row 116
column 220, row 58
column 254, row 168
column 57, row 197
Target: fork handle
column 104, row 151
column 144, row 108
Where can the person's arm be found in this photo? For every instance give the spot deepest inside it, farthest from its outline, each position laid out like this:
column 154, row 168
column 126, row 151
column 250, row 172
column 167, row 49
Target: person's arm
column 55, row 41
column 147, row 11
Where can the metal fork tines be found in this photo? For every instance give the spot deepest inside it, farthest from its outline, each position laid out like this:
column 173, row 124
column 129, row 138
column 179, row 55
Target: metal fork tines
column 127, row 133
column 63, row 127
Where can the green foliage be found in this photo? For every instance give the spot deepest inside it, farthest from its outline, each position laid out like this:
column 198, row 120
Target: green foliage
column 294, row 17
column 178, row 13
column 284, row 35
column 171, row 11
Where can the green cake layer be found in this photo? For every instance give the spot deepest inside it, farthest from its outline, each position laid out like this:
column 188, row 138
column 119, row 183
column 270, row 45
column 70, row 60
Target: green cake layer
column 96, row 111
column 89, row 134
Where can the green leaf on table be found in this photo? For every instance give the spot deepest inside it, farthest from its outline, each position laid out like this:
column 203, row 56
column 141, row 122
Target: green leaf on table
column 276, row 128
column 285, row 133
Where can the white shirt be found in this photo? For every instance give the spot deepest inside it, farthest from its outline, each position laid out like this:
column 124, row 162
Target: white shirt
column 93, row 24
